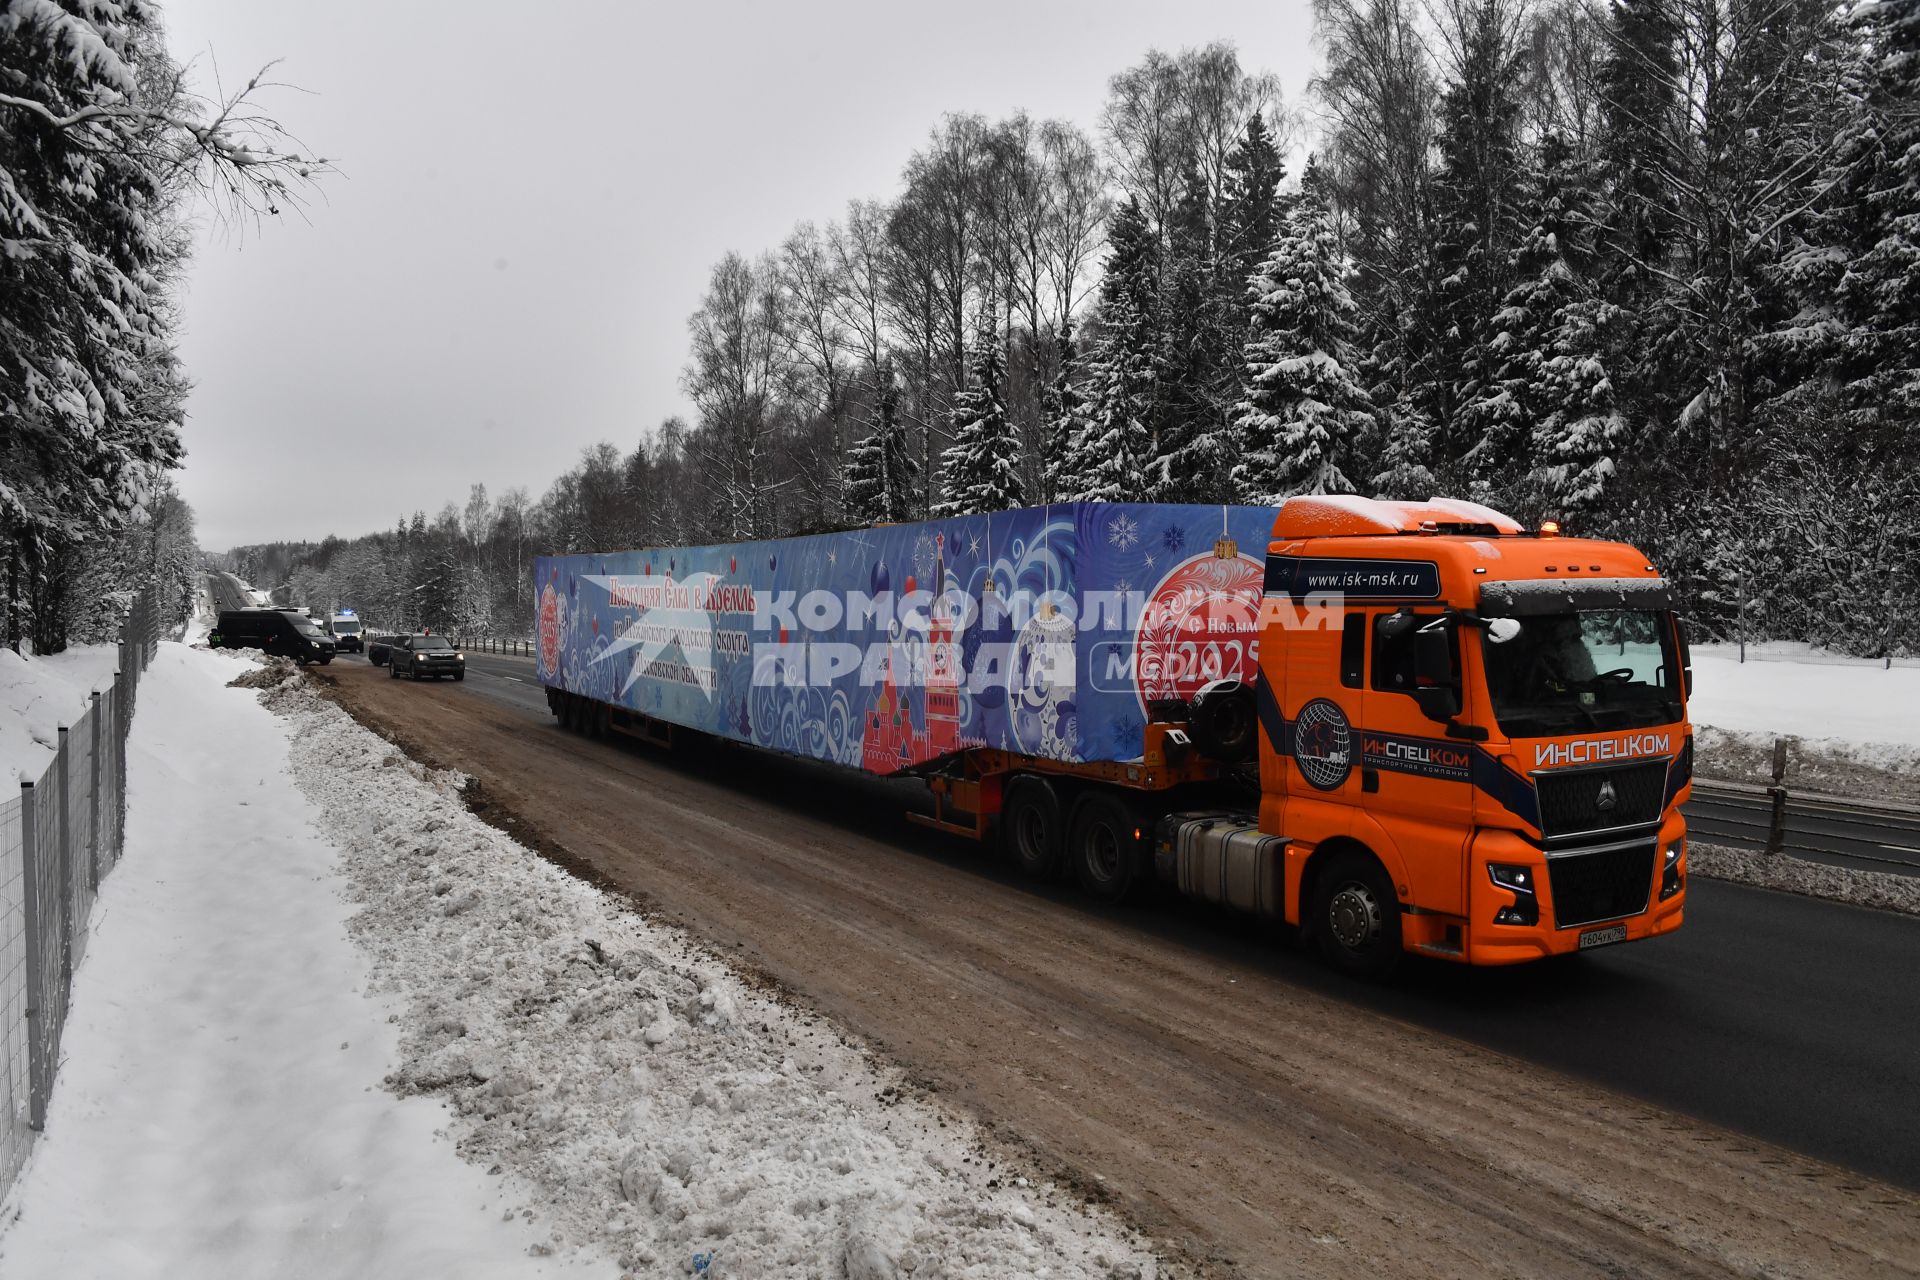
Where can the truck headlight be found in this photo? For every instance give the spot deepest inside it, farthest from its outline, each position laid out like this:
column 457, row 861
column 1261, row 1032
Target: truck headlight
column 1508, row 876
column 1670, row 879
column 1519, row 881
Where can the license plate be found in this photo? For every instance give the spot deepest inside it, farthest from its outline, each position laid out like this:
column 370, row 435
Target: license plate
column 1603, row 937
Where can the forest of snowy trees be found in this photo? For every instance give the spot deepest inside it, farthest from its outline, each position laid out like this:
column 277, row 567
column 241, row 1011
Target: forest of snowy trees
column 1650, row 267
column 104, row 153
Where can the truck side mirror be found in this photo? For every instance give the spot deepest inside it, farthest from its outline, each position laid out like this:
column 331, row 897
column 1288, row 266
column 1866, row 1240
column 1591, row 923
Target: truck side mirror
column 1435, row 686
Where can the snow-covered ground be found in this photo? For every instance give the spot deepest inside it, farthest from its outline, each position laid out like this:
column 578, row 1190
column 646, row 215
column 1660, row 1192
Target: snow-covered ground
column 218, row 1111
column 1854, row 709
column 313, row 959
column 38, row 695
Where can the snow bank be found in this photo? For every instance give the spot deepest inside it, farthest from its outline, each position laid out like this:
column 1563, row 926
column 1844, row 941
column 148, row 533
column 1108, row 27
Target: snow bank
column 1880, row 889
column 218, row 1109
column 667, row 1113
column 1852, row 708
column 38, row 695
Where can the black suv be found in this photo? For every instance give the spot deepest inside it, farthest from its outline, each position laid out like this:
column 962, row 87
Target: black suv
column 291, row 635
column 418, row 656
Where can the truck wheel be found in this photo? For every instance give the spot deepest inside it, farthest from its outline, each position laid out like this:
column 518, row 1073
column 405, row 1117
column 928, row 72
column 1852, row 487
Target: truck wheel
column 1106, row 845
column 1357, row 916
column 1030, row 825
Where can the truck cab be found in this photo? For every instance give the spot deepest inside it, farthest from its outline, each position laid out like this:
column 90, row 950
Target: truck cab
column 1473, row 736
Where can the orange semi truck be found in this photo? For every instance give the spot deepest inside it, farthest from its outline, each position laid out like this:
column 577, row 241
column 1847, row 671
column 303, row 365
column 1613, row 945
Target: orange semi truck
column 1407, row 727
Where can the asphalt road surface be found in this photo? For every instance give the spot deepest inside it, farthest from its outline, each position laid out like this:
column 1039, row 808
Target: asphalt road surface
column 1222, row 1086
column 229, row 592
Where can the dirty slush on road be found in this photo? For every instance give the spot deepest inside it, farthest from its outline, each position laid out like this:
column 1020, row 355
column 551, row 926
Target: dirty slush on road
column 1251, row 1127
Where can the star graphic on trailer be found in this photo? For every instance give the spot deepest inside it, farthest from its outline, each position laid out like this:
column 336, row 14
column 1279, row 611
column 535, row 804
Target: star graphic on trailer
column 833, row 556
column 973, row 544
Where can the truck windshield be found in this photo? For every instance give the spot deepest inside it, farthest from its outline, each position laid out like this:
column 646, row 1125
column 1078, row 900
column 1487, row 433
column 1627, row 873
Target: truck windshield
column 1599, row 669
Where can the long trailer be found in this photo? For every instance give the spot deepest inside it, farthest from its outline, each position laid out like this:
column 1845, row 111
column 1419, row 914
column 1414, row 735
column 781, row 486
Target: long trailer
column 1399, row 726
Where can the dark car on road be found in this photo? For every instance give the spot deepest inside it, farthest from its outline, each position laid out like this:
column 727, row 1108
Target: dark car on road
column 291, row 635
column 418, row 656
column 380, row 648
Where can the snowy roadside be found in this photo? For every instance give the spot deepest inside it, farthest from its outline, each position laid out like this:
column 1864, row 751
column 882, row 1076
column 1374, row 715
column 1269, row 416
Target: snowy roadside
column 218, row 1109
column 39, row 694
column 1848, row 723
column 663, row 1112
column 1812, row 879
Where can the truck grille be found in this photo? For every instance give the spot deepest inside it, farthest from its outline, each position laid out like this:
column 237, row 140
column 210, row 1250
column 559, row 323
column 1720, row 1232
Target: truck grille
column 1603, row 885
column 1570, row 798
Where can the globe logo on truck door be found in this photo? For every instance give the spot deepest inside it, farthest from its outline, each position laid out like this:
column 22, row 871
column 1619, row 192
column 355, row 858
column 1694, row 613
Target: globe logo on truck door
column 1323, row 744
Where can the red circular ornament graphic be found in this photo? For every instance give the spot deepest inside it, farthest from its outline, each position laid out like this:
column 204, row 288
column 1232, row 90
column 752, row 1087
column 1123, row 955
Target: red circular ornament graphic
column 1200, row 624
column 549, row 630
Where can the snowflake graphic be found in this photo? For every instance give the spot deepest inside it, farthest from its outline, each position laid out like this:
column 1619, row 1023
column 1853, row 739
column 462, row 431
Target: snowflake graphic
column 833, row 555
column 1123, row 532
column 923, row 553
column 973, row 544
column 1173, row 537
column 1123, row 585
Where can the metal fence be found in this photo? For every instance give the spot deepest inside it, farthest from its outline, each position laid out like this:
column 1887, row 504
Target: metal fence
column 58, row 840
column 496, row 644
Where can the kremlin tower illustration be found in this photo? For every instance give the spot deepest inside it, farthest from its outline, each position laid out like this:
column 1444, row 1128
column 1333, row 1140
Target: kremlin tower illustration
column 892, row 741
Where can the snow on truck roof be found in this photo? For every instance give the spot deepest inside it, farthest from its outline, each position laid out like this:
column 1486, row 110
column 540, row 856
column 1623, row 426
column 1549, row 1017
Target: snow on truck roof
column 1349, row 515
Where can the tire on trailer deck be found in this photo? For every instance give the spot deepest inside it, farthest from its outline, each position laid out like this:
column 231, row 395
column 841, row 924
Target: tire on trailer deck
column 1033, row 827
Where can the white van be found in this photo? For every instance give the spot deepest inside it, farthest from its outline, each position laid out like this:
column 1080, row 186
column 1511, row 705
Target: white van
column 344, row 627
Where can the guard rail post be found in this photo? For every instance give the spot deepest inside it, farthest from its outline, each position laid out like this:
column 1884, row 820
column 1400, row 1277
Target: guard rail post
column 1777, row 793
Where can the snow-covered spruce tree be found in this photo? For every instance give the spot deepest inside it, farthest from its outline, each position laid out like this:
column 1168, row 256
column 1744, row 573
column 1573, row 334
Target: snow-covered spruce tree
column 980, row 469
column 1476, row 191
column 1201, row 348
column 1509, row 393
column 878, row 480
column 1577, row 441
column 1404, row 473
column 1111, row 447
column 1880, row 292
column 1301, row 403
column 1250, row 216
column 1065, row 409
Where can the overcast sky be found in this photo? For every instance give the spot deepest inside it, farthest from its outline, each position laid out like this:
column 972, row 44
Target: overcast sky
column 530, row 198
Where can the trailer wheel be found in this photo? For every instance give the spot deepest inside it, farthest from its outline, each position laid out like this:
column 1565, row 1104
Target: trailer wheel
column 1357, row 916
column 1030, row 824
column 1107, row 843
column 569, row 712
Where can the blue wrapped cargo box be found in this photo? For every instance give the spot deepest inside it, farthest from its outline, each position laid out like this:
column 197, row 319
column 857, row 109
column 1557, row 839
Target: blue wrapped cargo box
column 1044, row 632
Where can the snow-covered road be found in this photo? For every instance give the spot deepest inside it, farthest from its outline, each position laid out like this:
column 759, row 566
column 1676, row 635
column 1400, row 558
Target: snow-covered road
column 228, row 1102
